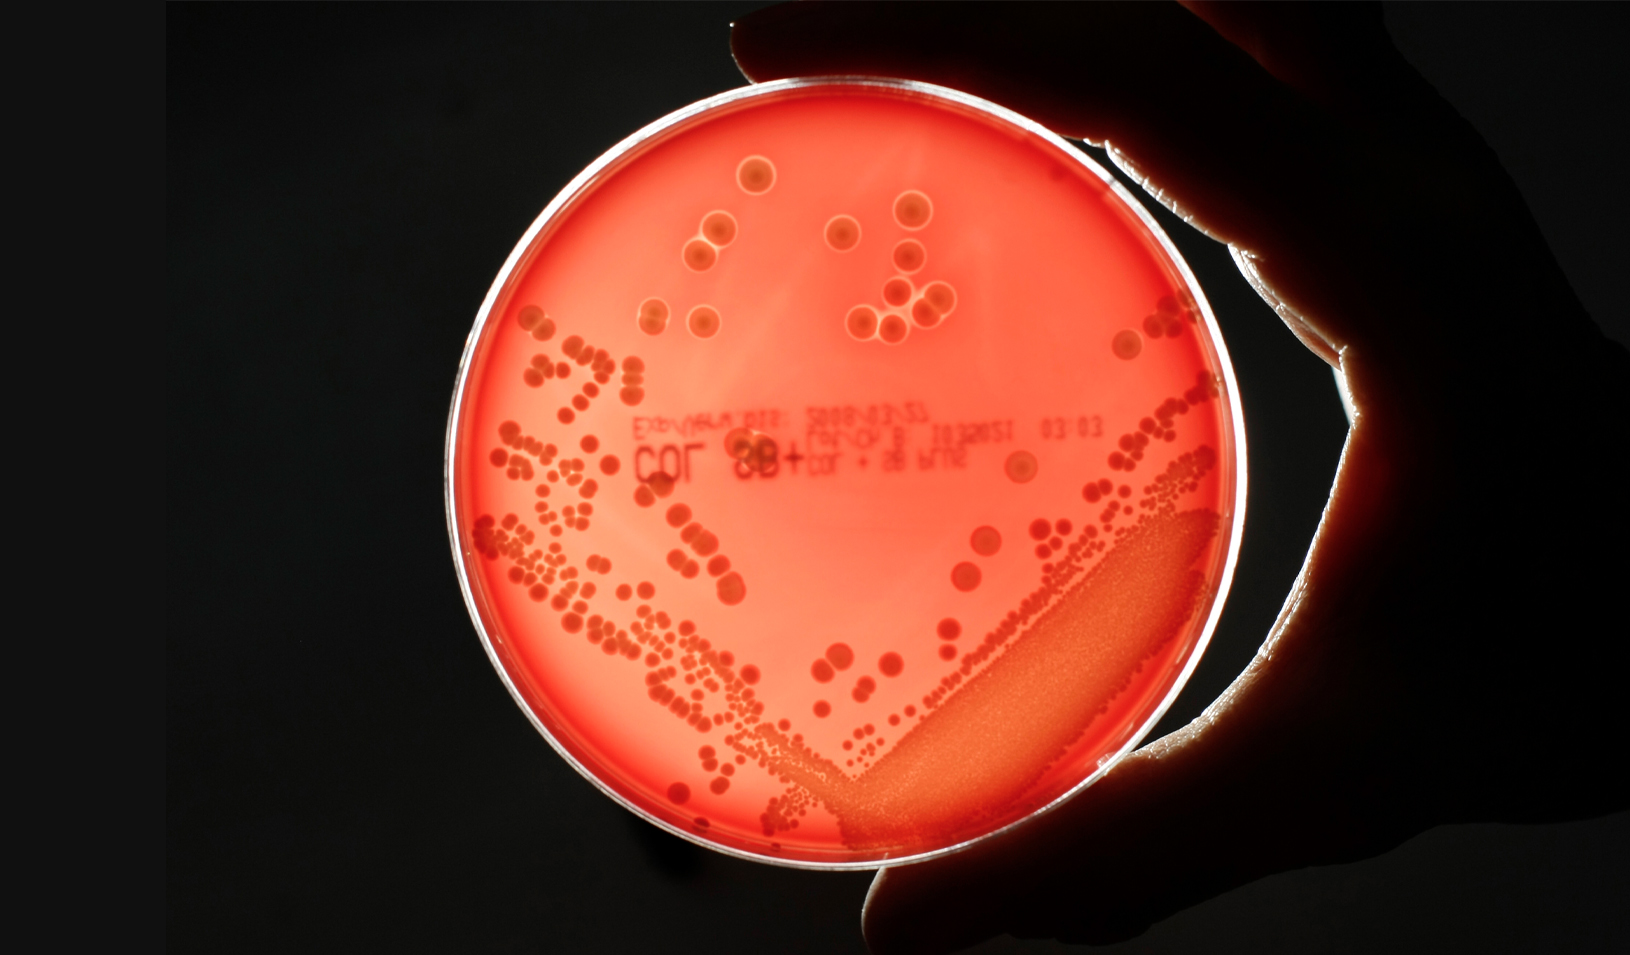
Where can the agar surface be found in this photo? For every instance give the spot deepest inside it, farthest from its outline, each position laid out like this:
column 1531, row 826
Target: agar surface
column 892, row 527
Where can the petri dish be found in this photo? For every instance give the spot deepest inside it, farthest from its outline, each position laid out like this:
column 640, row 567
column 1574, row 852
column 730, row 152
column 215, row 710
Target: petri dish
column 843, row 471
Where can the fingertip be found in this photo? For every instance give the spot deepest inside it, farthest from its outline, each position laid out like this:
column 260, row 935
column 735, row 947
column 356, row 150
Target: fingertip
column 917, row 910
column 870, row 927
column 1012, row 55
column 747, row 36
column 881, row 923
column 944, row 45
column 875, row 924
column 773, row 43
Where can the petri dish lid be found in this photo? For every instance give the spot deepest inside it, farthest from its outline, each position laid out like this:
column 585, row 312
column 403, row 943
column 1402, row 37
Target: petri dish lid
column 843, row 471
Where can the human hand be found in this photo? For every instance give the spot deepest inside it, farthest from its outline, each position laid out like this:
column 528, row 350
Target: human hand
column 1447, row 653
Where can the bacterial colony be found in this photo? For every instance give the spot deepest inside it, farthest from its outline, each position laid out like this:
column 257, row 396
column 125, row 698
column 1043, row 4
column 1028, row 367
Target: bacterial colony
column 844, row 476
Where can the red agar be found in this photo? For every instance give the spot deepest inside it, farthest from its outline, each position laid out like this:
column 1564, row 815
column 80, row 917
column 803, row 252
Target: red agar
column 844, row 473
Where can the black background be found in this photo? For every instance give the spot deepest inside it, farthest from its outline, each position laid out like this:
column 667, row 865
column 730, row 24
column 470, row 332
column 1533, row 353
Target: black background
column 345, row 771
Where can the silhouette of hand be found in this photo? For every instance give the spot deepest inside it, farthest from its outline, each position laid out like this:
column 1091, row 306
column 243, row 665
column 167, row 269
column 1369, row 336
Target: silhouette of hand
column 1449, row 652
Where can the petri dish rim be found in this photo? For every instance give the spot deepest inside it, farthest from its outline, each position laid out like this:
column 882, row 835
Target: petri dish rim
column 724, row 103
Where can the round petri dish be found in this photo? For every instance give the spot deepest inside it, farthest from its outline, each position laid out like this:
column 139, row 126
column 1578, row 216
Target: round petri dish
column 843, row 471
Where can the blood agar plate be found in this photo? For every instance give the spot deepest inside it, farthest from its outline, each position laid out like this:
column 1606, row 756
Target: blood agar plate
column 843, row 471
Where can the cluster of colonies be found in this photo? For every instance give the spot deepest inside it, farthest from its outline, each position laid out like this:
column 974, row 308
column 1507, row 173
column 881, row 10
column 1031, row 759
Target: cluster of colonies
column 704, row 543
column 650, row 635
column 864, row 742
column 570, row 472
column 601, row 366
column 928, row 306
column 707, row 671
column 679, row 793
column 702, row 320
column 838, row 658
column 1166, row 321
column 1021, row 468
column 713, row 235
column 717, row 230
column 538, row 569
column 1066, row 558
column 711, row 671
column 729, row 585
column 683, row 669
column 973, row 758
column 1158, row 426
column 573, row 473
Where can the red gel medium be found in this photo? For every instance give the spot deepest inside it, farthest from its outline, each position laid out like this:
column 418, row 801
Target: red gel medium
column 795, row 388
